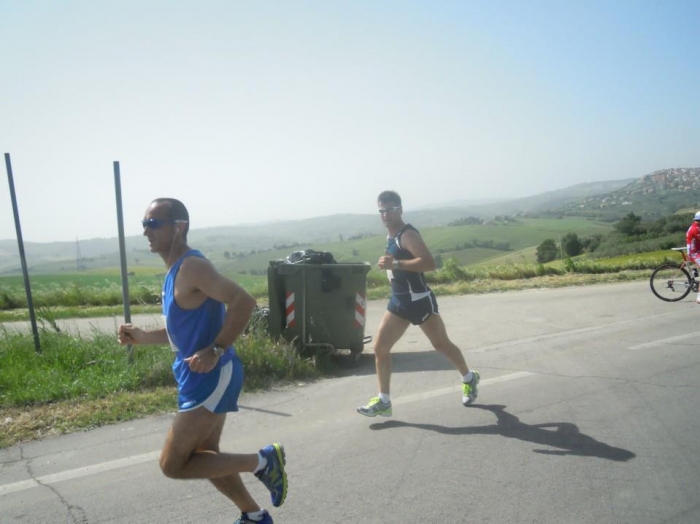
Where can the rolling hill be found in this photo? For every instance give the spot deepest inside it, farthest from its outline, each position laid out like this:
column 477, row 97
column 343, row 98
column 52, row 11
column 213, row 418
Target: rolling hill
column 656, row 194
column 652, row 196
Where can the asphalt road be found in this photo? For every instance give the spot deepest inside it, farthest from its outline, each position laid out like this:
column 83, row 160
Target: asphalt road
column 588, row 413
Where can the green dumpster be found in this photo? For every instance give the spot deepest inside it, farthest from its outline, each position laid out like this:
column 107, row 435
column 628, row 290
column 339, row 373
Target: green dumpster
column 319, row 305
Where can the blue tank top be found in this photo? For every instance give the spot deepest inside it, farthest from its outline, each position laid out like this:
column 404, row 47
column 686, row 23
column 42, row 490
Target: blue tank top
column 405, row 283
column 190, row 330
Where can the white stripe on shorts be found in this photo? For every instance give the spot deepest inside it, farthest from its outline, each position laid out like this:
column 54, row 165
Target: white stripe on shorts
column 213, row 400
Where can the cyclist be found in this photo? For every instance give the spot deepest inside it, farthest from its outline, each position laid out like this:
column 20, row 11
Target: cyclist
column 692, row 240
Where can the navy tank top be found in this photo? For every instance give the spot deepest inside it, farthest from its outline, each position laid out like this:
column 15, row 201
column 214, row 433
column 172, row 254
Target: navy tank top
column 405, row 284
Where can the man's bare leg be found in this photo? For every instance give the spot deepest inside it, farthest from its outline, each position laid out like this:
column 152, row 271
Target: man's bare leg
column 231, row 485
column 435, row 330
column 181, row 458
column 391, row 329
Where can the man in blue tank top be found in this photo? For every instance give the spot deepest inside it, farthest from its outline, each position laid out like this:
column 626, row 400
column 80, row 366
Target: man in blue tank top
column 411, row 302
column 204, row 313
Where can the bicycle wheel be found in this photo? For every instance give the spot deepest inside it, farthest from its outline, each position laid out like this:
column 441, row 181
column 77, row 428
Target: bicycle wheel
column 670, row 282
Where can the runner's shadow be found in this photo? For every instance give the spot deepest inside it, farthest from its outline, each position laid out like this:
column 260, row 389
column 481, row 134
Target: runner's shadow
column 563, row 435
column 408, row 362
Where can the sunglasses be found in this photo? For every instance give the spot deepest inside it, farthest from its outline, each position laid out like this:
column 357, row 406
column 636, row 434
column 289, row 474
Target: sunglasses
column 155, row 223
column 389, row 210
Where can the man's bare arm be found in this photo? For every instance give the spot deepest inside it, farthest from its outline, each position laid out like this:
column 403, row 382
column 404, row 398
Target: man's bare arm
column 198, row 278
column 199, row 274
column 422, row 260
column 130, row 334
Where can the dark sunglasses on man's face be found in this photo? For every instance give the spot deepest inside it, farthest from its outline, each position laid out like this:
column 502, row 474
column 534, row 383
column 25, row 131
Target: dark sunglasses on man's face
column 389, row 210
column 155, row 223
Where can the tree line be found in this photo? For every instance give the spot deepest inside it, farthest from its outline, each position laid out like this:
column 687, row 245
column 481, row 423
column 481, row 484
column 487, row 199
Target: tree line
column 631, row 234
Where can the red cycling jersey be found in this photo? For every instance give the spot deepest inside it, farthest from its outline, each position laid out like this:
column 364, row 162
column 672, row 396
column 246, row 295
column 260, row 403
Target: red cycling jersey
column 692, row 240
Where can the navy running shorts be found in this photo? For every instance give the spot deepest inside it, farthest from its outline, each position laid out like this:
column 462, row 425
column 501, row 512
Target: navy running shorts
column 416, row 312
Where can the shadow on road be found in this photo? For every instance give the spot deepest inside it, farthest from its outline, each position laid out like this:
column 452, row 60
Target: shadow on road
column 563, row 435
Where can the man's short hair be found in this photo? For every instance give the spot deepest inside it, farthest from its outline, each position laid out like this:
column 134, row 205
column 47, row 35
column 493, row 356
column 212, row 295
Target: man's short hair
column 389, row 197
column 175, row 210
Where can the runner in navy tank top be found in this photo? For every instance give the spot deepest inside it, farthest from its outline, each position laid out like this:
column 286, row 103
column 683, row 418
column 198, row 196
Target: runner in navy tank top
column 412, row 302
column 411, row 298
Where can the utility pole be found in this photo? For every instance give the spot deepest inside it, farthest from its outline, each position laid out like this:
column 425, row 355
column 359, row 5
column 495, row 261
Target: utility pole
column 22, row 256
column 79, row 258
column 122, row 251
column 561, row 249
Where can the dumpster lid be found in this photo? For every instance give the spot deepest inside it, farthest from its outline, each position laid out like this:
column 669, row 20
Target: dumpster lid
column 310, row 256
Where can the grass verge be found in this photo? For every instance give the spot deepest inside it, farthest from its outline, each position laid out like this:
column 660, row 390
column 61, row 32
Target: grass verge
column 487, row 285
column 37, row 421
column 78, row 383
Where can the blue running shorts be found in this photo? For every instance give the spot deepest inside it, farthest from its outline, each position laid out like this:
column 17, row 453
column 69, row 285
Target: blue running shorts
column 223, row 398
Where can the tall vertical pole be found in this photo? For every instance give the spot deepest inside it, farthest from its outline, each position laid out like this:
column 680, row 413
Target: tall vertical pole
column 22, row 257
column 122, row 251
column 561, row 249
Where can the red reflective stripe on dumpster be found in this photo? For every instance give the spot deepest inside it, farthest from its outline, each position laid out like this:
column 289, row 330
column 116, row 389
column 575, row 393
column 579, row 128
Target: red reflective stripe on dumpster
column 360, row 307
column 289, row 306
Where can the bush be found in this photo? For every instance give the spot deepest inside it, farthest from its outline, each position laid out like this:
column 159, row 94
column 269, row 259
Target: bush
column 630, row 225
column 571, row 244
column 547, row 251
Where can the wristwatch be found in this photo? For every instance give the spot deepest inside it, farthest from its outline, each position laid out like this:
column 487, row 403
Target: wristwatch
column 218, row 349
column 396, row 264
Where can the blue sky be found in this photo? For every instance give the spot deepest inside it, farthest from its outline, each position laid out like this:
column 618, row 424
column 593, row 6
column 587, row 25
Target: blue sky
column 267, row 110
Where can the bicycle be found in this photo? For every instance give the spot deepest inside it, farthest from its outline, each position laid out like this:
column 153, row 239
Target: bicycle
column 671, row 282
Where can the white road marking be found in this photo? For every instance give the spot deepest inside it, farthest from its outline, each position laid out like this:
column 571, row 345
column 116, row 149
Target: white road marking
column 153, row 455
column 79, row 472
column 665, row 341
column 452, row 389
column 538, row 338
column 577, row 331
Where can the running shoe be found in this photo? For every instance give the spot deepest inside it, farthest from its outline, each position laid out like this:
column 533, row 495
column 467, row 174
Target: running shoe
column 469, row 389
column 375, row 407
column 244, row 519
column 273, row 475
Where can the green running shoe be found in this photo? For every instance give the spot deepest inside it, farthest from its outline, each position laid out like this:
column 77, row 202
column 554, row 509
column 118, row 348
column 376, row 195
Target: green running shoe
column 375, row 407
column 469, row 389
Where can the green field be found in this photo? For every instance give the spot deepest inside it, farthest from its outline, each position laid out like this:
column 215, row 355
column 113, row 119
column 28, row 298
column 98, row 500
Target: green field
column 472, row 246
column 107, row 279
column 98, row 289
column 446, row 241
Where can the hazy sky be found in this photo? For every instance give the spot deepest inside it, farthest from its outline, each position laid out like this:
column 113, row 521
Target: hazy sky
column 262, row 110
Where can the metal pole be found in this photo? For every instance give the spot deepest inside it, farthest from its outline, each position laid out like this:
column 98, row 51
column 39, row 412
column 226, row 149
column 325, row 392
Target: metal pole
column 303, row 307
column 561, row 249
column 122, row 252
column 22, row 257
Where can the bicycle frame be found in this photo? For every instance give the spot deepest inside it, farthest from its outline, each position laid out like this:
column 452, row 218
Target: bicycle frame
column 687, row 261
column 671, row 282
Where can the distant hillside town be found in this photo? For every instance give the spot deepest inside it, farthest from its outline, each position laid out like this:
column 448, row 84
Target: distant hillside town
column 660, row 193
column 678, row 179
